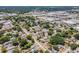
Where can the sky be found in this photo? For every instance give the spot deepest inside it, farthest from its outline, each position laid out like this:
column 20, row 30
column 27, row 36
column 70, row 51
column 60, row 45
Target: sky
column 39, row 2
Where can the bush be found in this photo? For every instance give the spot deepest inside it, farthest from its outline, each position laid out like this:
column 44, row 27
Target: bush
column 1, row 33
column 71, row 31
column 3, row 49
column 17, row 28
column 76, row 36
column 46, row 25
column 16, row 50
column 30, row 17
column 56, row 47
column 57, row 39
column 29, row 37
column 16, row 34
column 1, row 26
column 15, row 42
column 4, row 39
column 23, row 42
column 59, row 30
column 50, row 32
column 64, row 34
column 27, row 45
column 73, row 46
column 9, row 34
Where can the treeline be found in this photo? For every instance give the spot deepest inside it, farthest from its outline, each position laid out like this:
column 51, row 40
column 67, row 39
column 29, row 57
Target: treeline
column 22, row 9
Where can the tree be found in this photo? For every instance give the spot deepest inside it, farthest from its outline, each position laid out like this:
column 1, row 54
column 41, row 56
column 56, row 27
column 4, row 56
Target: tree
column 57, row 39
